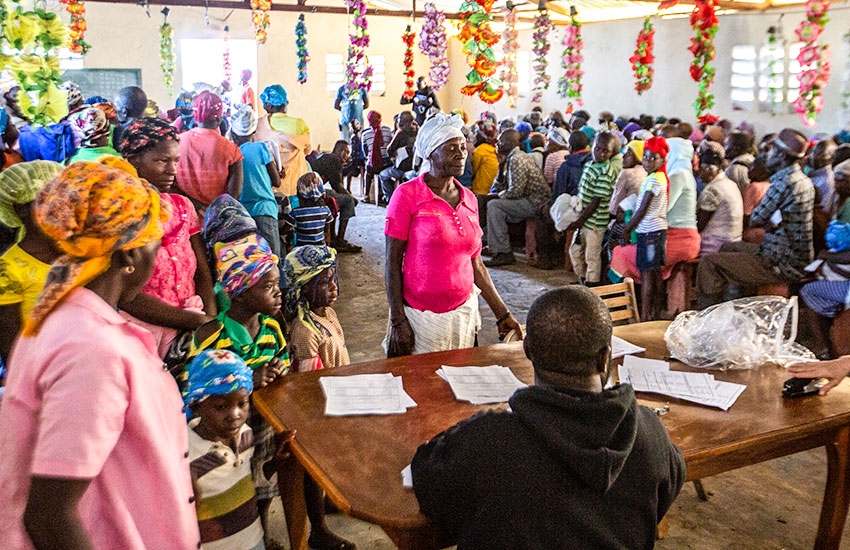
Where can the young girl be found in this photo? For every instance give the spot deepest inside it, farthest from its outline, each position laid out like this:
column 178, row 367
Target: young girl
column 317, row 338
column 221, row 445
column 179, row 295
column 312, row 218
column 650, row 221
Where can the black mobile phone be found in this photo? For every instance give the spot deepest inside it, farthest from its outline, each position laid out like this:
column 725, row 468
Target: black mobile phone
column 798, row 387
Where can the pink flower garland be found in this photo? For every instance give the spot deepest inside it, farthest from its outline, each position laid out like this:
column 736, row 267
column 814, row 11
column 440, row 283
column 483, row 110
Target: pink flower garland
column 569, row 85
column 542, row 27
column 815, row 61
column 510, row 77
column 433, row 43
column 358, row 72
column 228, row 68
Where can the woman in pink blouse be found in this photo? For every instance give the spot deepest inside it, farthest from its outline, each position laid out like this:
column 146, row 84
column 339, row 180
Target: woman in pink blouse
column 434, row 252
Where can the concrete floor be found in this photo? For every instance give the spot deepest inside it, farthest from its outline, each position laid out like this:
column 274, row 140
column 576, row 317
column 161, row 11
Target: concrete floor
column 774, row 505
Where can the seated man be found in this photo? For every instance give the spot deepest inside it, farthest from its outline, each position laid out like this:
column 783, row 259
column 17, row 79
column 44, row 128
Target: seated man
column 400, row 150
column 330, row 167
column 571, row 465
column 786, row 214
column 521, row 191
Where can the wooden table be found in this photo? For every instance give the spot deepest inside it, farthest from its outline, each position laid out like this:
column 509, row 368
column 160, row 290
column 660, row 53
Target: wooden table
column 358, row 460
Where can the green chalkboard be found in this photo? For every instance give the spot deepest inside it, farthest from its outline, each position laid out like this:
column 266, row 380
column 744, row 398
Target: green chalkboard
column 103, row 82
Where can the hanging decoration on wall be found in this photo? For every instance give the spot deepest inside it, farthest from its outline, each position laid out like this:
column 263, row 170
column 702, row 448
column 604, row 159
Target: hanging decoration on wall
column 31, row 41
column 845, row 85
column 814, row 58
column 167, row 57
column 542, row 27
column 478, row 39
column 433, row 43
column 407, row 38
column 569, row 85
column 77, row 10
column 301, row 49
column 704, row 22
column 775, row 68
column 228, row 68
column 643, row 59
column 358, row 72
column 260, row 19
column 510, row 45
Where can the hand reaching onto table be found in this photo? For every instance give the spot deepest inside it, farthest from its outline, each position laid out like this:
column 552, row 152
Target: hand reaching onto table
column 835, row 371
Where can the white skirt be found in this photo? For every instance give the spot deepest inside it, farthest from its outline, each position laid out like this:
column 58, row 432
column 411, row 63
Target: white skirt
column 455, row 329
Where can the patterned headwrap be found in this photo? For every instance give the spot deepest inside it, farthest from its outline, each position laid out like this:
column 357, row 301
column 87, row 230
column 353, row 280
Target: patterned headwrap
column 20, row 184
column 207, row 107
column 559, row 136
column 215, row 372
column 89, row 125
column 107, row 108
column 274, row 95
column 299, row 268
column 152, row 110
column 242, row 263
column 75, row 96
column 246, row 75
column 243, row 122
column 96, row 99
column 90, row 211
column 636, row 147
column 310, row 186
column 144, row 133
column 486, row 130
column 226, row 220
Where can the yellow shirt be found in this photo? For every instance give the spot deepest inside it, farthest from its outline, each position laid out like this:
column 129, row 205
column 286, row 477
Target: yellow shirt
column 288, row 125
column 485, row 168
column 21, row 279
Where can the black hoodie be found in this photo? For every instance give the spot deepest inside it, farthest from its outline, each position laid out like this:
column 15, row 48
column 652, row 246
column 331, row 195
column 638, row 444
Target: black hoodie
column 566, row 469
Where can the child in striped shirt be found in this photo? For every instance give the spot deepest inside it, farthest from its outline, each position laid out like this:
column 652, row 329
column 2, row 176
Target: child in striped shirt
column 311, row 218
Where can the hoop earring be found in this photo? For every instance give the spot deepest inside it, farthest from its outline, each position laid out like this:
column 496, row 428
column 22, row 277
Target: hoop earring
column 130, row 269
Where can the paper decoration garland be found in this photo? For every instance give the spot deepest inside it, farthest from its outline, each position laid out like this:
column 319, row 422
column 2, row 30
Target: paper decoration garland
column 569, row 85
column 260, row 19
column 433, row 43
column 510, row 76
column 225, row 56
column 845, row 85
column 407, row 38
column 704, row 22
column 542, row 27
column 30, row 40
column 167, row 56
column 301, row 49
column 775, row 51
column 642, row 59
column 814, row 58
column 478, row 39
column 77, row 10
column 358, row 72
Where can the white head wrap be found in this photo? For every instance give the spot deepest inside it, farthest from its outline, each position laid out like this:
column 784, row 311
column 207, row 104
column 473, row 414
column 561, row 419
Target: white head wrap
column 642, row 135
column 243, row 122
column 559, row 136
column 436, row 131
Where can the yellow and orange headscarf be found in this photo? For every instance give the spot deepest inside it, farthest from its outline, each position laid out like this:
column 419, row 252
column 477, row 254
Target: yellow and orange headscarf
column 91, row 210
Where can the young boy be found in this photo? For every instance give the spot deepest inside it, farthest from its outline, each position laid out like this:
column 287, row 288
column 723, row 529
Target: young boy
column 221, row 445
column 311, row 218
column 259, row 176
column 595, row 190
column 650, row 221
column 317, row 337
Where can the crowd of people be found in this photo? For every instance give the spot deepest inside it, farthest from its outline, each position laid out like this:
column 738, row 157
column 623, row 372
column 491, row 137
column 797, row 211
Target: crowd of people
column 206, row 239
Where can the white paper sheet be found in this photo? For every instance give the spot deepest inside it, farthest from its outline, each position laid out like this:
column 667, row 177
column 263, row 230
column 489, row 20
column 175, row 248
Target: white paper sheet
column 629, row 203
column 632, row 363
column 696, row 387
column 621, row 348
column 407, row 477
column 480, row 385
column 364, row 394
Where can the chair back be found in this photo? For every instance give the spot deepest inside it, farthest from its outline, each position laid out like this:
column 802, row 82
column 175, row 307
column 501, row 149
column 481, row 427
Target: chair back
column 620, row 300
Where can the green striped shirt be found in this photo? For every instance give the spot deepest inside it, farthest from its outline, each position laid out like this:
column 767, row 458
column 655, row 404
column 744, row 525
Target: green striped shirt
column 597, row 180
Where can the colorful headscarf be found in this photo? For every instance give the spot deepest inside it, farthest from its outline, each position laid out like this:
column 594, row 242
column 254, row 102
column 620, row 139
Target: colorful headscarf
column 376, row 159
column 696, row 136
column 299, row 268
column 630, row 128
column 589, row 132
column 524, row 128
column 559, row 136
column 274, row 95
column 243, row 122
column 89, row 125
column 108, row 109
column 20, row 184
column 215, row 372
column 207, row 107
column 152, row 110
column 226, row 220
column 96, row 99
column 90, row 211
column 246, row 75
column 75, row 96
column 242, row 263
column 636, row 147
column 486, row 130
column 310, row 186
column 144, row 133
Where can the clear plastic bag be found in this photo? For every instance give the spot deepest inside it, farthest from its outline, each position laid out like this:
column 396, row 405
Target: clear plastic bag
column 739, row 334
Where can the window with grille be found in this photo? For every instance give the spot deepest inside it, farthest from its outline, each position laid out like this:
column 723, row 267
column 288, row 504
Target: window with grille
column 335, row 73
column 743, row 79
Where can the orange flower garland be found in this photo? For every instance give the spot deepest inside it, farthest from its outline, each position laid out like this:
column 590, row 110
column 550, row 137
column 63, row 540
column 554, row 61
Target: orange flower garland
column 77, row 10
column 478, row 39
column 260, row 19
column 407, row 38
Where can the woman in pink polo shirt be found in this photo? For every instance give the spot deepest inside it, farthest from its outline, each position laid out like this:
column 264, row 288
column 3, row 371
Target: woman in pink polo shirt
column 93, row 437
column 434, row 271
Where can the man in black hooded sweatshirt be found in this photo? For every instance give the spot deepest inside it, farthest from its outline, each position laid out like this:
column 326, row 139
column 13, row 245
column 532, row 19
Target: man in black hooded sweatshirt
column 571, row 466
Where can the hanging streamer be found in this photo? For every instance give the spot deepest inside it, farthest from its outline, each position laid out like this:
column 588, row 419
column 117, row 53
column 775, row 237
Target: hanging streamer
column 166, row 51
column 77, row 10
column 542, row 27
column 407, row 38
column 704, row 22
column 510, row 76
column 228, row 69
column 433, row 43
column 301, row 49
column 478, row 39
column 569, row 85
column 814, row 58
column 260, row 19
column 358, row 72
column 643, row 59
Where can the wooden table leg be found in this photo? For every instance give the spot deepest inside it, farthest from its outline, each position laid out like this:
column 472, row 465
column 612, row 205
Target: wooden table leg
column 290, row 479
column 423, row 538
column 836, row 498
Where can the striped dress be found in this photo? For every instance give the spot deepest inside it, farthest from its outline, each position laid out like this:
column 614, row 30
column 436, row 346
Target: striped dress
column 256, row 352
column 227, row 506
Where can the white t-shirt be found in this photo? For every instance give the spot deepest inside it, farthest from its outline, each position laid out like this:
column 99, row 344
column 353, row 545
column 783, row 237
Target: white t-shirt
column 653, row 188
column 722, row 197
